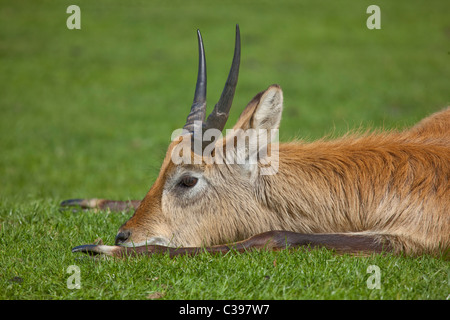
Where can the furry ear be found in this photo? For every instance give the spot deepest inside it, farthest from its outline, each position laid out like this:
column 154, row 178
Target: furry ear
column 264, row 111
column 248, row 143
column 268, row 113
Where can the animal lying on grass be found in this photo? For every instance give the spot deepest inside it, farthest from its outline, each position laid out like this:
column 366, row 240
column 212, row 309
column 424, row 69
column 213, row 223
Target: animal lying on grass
column 359, row 194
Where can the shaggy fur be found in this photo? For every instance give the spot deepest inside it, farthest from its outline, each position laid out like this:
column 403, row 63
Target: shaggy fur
column 363, row 192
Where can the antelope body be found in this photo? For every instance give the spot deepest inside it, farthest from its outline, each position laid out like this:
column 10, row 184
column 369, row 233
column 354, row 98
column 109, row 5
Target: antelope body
column 362, row 193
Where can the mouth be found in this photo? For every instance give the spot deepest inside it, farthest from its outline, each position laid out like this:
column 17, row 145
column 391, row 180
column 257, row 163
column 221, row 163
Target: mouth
column 100, row 249
column 153, row 241
column 105, row 250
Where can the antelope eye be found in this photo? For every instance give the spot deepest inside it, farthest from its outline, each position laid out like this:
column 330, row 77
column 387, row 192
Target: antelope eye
column 188, row 181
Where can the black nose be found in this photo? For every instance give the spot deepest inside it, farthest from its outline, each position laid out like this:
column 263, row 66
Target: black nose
column 122, row 236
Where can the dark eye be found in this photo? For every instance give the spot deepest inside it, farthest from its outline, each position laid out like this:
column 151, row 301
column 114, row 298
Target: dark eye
column 188, row 181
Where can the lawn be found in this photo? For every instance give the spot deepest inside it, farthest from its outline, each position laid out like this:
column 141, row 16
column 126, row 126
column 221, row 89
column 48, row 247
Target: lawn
column 89, row 113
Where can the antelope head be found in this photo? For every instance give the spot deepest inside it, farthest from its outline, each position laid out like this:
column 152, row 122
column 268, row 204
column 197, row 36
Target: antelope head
column 201, row 202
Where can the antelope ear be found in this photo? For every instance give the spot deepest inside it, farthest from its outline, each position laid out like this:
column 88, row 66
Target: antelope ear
column 264, row 111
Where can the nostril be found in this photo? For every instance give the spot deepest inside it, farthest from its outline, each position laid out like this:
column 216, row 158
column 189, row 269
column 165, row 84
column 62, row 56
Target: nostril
column 122, row 236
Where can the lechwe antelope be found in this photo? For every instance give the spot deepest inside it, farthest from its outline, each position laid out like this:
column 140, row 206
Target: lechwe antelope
column 369, row 193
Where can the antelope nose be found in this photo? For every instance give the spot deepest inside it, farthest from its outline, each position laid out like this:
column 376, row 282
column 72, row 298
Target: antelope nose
column 122, row 237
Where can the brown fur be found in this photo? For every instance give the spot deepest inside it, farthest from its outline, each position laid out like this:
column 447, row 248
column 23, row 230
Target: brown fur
column 390, row 187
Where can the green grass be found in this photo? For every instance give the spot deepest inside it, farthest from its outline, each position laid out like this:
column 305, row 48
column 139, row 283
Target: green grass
column 36, row 242
column 89, row 113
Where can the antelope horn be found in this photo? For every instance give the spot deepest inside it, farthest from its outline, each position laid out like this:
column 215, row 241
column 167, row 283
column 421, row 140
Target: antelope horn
column 219, row 116
column 198, row 108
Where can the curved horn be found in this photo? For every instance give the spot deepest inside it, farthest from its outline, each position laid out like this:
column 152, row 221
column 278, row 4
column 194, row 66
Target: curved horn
column 198, row 108
column 219, row 116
